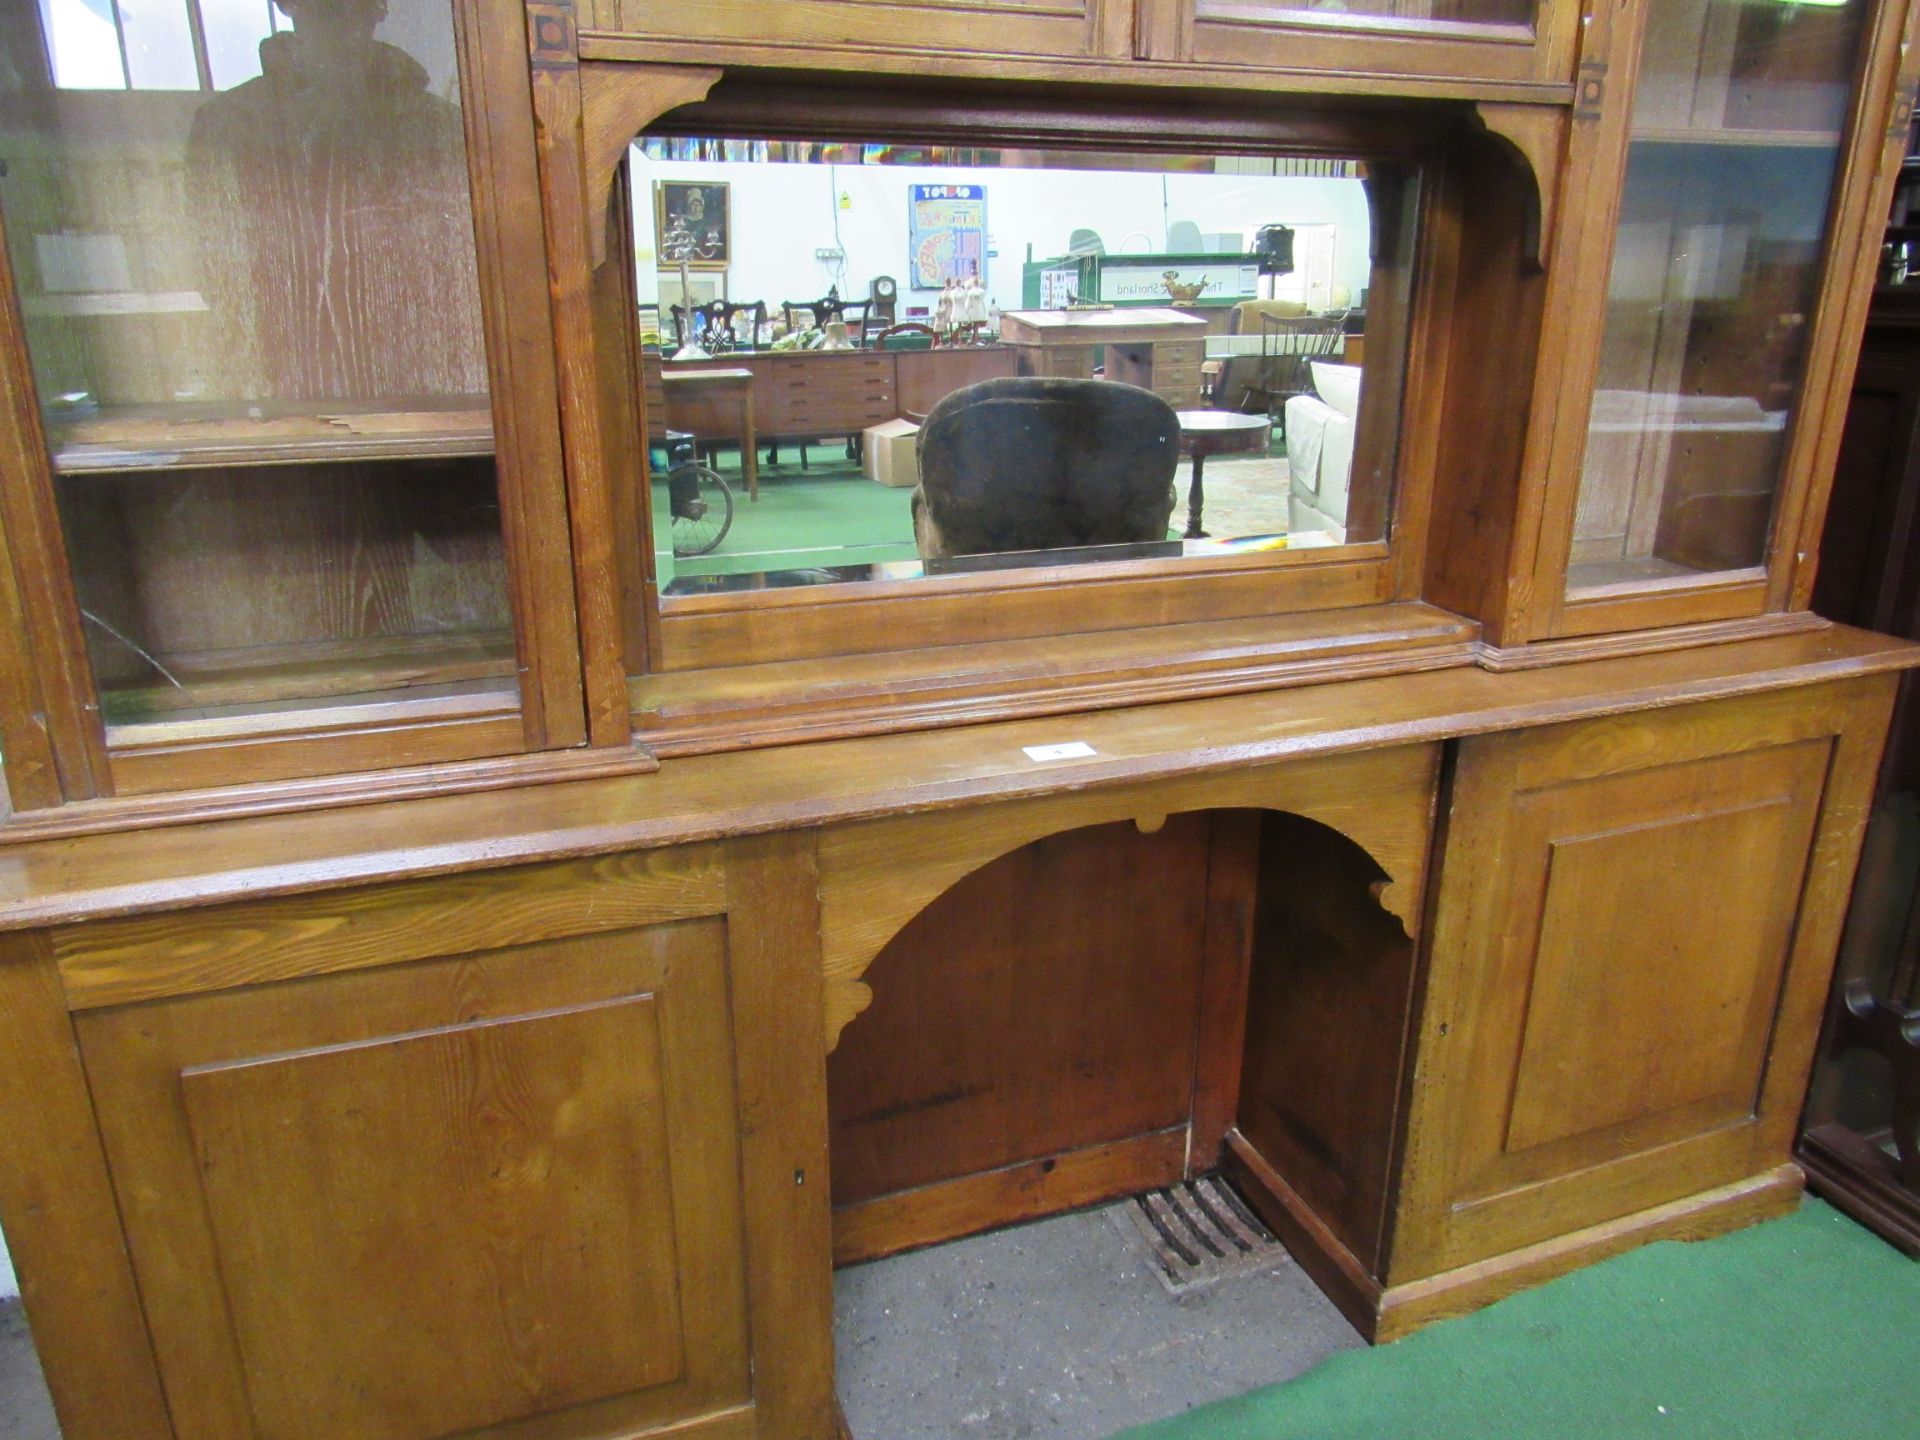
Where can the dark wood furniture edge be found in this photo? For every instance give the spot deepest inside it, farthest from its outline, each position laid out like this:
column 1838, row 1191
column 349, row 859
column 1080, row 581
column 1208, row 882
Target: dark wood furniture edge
column 60, row 881
column 1855, row 1177
column 523, row 379
column 279, row 797
column 689, row 712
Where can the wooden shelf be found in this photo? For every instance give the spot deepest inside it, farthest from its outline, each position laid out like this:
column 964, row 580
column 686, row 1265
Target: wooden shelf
column 297, row 676
column 1720, row 135
column 119, row 439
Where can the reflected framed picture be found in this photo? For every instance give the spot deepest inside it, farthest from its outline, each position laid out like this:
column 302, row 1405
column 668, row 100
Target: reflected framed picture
column 701, row 289
column 698, row 214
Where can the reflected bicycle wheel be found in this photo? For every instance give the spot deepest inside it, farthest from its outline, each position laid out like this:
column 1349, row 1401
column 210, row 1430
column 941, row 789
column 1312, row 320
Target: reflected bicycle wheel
column 702, row 509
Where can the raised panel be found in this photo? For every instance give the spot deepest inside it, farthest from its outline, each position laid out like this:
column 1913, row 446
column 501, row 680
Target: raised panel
column 1063, row 28
column 1693, row 915
column 495, row 1194
column 1632, row 932
column 437, row 1296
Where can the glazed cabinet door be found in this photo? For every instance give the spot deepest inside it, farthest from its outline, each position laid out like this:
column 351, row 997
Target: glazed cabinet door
column 1518, row 42
column 498, row 1191
column 1719, row 290
column 1636, row 920
column 279, row 419
column 1064, row 29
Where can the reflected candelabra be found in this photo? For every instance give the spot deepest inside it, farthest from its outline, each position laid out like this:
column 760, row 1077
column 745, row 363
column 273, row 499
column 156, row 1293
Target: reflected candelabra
column 678, row 246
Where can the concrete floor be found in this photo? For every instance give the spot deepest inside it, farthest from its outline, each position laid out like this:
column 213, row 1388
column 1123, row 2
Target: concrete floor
column 1056, row 1330
column 1059, row 1329
column 25, row 1411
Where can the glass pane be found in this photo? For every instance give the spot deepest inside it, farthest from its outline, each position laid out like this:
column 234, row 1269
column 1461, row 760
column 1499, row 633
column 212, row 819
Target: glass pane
column 966, row 360
column 254, row 319
column 83, row 44
column 234, row 30
column 159, row 45
column 1736, row 144
column 1457, row 18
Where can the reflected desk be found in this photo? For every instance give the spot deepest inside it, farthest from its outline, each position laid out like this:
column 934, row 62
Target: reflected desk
column 803, row 395
column 1156, row 349
column 700, row 395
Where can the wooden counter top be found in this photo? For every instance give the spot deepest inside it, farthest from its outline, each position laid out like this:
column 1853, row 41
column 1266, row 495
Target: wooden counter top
column 711, row 796
column 1129, row 325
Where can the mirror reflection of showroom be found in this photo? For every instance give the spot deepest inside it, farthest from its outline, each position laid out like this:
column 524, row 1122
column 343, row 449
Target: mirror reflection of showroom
column 882, row 362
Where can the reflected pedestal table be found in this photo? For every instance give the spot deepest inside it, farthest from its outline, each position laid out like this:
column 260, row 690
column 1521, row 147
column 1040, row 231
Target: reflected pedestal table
column 1216, row 432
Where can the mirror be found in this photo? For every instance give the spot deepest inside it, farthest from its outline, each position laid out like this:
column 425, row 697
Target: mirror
column 887, row 361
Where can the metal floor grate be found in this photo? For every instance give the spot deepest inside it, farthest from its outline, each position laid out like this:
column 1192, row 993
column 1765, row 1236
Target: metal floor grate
column 1197, row 1233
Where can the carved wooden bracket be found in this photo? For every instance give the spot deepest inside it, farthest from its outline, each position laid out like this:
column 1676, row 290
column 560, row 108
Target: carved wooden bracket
column 1536, row 136
column 617, row 101
column 877, row 875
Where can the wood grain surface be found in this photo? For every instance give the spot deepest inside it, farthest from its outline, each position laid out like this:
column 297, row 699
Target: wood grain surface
column 58, row 881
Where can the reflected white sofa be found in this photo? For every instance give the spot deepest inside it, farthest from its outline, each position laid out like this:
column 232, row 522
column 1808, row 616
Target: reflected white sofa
column 1319, row 431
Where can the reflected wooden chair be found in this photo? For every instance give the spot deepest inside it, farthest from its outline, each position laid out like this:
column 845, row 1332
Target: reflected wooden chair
column 1042, row 463
column 828, row 308
column 718, row 320
column 1232, row 380
column 1289, row 344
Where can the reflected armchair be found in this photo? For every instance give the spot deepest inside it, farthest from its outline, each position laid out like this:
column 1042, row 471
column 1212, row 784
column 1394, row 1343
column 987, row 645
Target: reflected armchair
column 1038, row 463
column 1320, row 434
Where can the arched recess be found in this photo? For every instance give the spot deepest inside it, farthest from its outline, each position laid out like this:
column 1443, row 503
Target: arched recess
column 877, row 875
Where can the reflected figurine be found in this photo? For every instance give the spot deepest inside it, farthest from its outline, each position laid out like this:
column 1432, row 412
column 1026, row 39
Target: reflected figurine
column 337, row 232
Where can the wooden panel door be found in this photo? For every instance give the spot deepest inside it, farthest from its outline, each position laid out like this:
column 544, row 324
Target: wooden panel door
column 1521, row 42
column 1635, row 923
column 500, row 1194
column 1052, row 28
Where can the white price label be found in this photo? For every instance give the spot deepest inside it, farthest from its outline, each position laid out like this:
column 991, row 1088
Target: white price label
column 1072, row 750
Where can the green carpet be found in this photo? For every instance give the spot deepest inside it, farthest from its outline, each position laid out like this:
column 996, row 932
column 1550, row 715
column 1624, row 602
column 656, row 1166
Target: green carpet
column 1803, row 1327
column 828, row 514
column 832, row 514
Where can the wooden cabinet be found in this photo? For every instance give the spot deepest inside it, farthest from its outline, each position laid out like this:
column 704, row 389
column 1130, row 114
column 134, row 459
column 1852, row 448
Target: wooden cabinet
column 1635, row 923
column 1073, row 29
column 470, row 1159
column 440, row 1101
column 1516, row 41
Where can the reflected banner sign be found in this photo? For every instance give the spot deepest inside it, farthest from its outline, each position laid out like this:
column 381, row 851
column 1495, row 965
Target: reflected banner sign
column 946, row 233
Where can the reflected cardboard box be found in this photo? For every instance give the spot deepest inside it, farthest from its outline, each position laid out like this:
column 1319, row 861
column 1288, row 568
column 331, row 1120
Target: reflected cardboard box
column 892, row 450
